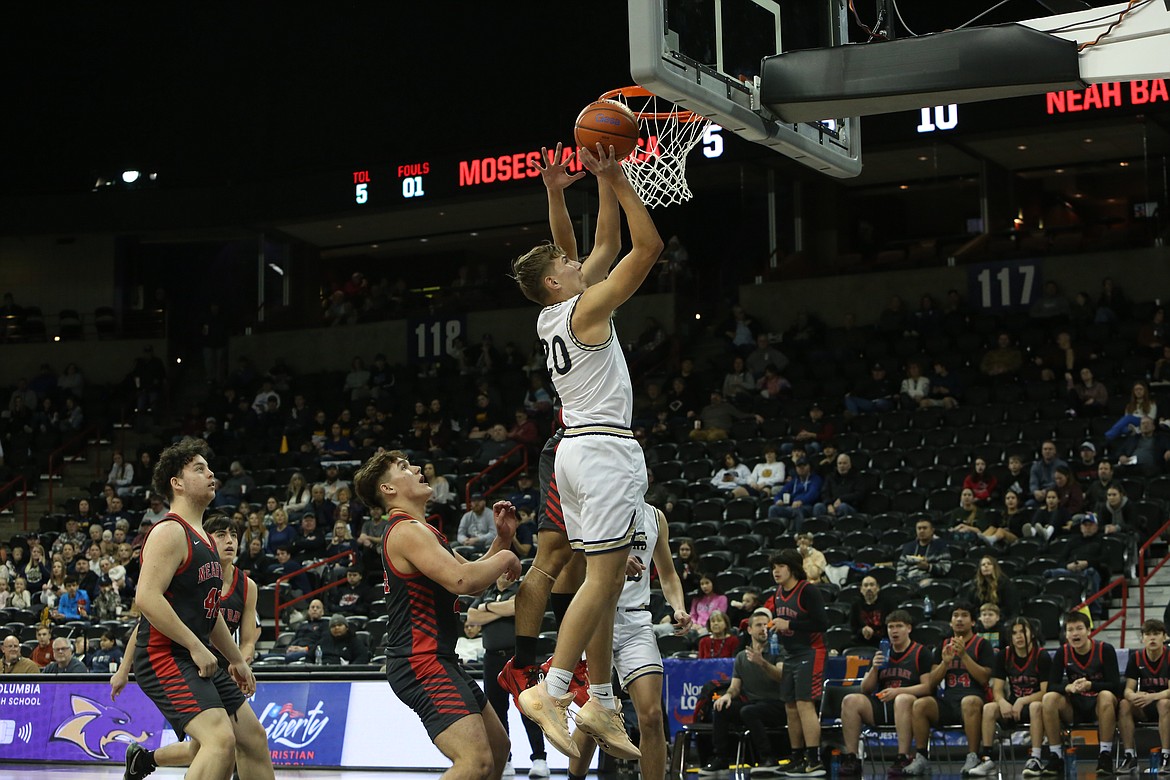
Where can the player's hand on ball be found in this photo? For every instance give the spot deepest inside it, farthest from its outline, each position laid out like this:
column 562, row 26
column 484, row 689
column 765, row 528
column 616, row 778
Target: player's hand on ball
column 601, row 162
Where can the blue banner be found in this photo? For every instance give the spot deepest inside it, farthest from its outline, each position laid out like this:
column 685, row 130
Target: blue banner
column 305, row 722
column 684, row 679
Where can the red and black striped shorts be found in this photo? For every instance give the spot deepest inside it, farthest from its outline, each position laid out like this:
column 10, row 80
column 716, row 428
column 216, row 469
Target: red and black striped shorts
column 170, row 679
column 438, row 689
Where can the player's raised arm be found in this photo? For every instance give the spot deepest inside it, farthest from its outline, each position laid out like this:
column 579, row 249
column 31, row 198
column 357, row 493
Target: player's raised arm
column 591, row 318
column 417, row 544
column 554, row 172
column 607, row 238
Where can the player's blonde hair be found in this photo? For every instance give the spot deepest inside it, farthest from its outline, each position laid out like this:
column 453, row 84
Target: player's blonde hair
column 529, row 270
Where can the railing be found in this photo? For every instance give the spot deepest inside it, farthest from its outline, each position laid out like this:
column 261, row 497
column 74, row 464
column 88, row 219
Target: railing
column 501, row 463
column 21, row 495
column 1143, row 576
column 69, row 447
column 1120, row 582
column 279, row 604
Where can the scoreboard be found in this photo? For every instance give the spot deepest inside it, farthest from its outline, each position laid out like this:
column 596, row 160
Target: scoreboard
column 417, row 180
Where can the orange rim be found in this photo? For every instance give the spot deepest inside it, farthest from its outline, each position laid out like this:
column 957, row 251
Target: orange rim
column 681, row 115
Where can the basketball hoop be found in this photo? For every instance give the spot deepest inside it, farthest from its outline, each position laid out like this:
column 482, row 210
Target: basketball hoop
column 658, row 167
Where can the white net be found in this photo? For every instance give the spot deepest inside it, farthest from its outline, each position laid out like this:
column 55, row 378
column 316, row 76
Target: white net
column 658, row 169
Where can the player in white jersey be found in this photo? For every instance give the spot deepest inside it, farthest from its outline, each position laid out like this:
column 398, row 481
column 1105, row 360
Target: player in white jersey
column 601, row 471
column 635, row 649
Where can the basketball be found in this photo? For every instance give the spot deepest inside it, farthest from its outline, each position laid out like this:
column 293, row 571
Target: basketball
column 609, row 123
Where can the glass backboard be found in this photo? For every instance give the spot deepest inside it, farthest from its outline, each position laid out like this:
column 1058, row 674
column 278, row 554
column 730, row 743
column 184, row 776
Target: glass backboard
column 705, row 56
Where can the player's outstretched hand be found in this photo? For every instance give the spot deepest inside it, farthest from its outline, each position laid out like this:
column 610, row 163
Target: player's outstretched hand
column 242, row 674
column 205, row 660
column 682, row 621
column 118, row 682
column 554, row 168
column 601, row 162
column 504, row 513
column 512, row 567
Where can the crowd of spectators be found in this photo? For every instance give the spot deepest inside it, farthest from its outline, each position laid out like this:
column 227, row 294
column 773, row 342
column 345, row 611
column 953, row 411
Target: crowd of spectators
column 1035, row 436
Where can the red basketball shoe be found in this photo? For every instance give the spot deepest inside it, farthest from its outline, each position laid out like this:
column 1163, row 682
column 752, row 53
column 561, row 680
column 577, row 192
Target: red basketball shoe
column 579, row 686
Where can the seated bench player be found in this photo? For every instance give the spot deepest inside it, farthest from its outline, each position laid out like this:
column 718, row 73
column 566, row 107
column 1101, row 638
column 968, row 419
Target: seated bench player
column 1018, row 684
column 1146, row 697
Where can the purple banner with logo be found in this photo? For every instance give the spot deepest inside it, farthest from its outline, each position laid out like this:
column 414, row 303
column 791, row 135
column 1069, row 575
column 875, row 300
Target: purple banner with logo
column 60, row 721
column 76, row 721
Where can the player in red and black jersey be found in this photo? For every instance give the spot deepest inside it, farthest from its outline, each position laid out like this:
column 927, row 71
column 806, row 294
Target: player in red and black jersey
column 237, row 599
column 237, row 606
column 800, row 621
column 890, row 685
column 963, row 665
column 1083, row 687
column 178, row 595
column 1147, row 694
column 1017, row 685
column 423, row 576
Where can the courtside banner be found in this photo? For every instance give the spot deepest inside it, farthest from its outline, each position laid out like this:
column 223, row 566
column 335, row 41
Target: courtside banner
column 685, row 678
column 61, row 720
column 313, row 724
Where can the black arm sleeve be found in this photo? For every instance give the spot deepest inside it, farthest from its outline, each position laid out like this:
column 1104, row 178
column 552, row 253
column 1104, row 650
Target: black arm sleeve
column 1112, row 681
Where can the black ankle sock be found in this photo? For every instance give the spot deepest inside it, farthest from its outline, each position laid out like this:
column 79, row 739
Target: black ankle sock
column 150, row 760
column 560, row 605
column 576, row 777
column 813, row 753
column 525, row 650
column 922, row 752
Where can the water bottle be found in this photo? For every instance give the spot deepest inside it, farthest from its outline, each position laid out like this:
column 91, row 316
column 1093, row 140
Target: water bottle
column 1155, row 764
column 318, row 655
column 774, row 644
column 1070, row 761
column 834, row 761
column 884, row 649
column 927, row 607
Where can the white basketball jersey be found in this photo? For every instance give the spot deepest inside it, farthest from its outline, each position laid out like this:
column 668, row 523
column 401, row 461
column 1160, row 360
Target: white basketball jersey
column 636, row 591
column 592, row 381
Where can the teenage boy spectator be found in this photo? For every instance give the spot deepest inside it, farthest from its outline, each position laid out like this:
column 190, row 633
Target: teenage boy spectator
column 73, row 603
column 869, row 615
column 963, row 665
column 1147, row 697
column 888, row 692
column 1083, row 687
column 286, row 564
column 752, row 698
column 42, row 654
column 800, row 623
column 1018, row 684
